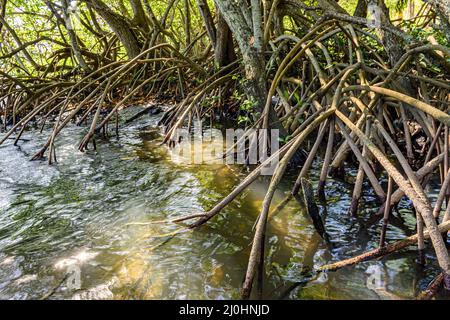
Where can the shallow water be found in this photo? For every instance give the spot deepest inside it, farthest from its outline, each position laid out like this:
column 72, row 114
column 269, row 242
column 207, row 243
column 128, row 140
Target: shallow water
column 79, row 229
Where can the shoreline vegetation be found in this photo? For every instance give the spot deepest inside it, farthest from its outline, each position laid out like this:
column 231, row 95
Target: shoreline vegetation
column 363, row 84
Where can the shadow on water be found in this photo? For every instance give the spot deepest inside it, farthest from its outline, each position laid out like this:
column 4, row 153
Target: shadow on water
column 79, row 229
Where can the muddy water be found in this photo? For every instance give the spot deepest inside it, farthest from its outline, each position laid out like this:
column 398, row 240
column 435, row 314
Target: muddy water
column 80, row 229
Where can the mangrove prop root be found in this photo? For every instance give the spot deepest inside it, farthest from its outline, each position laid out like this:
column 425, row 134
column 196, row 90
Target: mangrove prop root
column 381, row 252
column 312, row 209
column 432, row 289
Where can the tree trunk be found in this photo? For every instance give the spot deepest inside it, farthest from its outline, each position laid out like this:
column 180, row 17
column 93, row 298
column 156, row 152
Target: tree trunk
column 187, row 21
column 253, row 58
column 331, row 5
column 119, row 25
column 442, row 9
column 139, row 18
column 392, row 43
column 2, row 11
column 224, row 48
column 73, row 38
column 361, row 9
column 207, row 20
column 394, row 46
column 247, row 31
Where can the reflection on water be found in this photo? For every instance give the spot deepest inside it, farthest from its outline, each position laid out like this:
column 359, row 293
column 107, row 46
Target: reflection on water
column 89, row 213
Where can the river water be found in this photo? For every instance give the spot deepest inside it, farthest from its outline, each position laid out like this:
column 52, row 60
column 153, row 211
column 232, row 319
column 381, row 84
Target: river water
column 79, row 229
